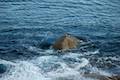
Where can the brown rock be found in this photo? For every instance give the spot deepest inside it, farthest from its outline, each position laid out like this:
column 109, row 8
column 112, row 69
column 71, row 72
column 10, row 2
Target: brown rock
column 66, row 42
column 101, row 77
column 115, row 77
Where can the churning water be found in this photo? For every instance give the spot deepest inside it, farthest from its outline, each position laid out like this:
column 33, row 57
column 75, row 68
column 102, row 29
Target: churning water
column 24, row 28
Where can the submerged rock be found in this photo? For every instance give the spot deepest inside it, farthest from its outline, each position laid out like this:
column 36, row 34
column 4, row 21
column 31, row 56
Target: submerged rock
column 3, row 68
column 47, row 41
column 66, row 42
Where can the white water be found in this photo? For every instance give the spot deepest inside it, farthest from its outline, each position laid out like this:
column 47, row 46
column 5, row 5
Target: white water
column 50, row 68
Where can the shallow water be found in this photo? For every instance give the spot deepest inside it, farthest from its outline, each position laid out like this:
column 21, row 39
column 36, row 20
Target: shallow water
column 25, row 25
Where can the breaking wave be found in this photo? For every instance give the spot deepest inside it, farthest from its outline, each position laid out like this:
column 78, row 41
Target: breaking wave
column 70, row 66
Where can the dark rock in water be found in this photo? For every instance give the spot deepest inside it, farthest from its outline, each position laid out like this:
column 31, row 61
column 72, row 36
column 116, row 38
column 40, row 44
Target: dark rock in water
column 45, row 45
column 3, row 68
column 47, row 42
column 66, row 42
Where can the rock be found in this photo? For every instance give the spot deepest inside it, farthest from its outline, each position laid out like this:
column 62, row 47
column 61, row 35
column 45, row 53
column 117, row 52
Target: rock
column 47, row 41
column 101, row 77
column 115, row 77
column 66, row 42
column 96, row 76
column 3, row 68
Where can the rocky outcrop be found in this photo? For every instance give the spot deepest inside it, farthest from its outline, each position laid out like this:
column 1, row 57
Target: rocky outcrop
column 66, row 42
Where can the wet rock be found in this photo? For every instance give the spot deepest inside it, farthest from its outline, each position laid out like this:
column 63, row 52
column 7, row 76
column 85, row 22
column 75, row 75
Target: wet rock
column 46, row 44
column 101, row 77
column 47, row 41
column 66, row 42
column 115, row 77
column 3, row 68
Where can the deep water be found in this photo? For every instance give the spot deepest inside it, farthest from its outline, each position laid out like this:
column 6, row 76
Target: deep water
column 29, row 27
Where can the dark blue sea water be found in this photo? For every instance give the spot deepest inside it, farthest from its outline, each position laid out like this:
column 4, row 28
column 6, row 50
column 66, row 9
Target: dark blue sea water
column 26, row 24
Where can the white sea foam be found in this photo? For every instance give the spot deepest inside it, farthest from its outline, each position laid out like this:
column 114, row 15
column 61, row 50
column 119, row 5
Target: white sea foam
column 44, row 68
column 24, row 71
column 83, row 64
column 92, row 53
column 6, row 62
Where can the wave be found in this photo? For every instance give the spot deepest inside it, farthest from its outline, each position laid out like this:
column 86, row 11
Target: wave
column 51, row 67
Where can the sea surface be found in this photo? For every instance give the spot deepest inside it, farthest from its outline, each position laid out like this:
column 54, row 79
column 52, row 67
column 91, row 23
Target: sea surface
column 29, row 27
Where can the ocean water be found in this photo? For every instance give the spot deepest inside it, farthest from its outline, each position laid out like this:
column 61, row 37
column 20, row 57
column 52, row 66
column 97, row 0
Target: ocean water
column 29, row 27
